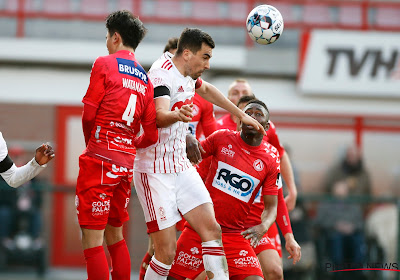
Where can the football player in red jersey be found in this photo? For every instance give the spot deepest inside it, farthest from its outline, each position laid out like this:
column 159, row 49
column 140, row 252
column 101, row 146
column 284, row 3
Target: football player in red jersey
column 118, row 101
column 243, row 165
column 269, row 251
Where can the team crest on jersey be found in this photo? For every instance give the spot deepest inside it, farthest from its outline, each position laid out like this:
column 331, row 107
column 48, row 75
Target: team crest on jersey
column 129, row 67
column 258, row 165
column 234, row 182
column 195, row 109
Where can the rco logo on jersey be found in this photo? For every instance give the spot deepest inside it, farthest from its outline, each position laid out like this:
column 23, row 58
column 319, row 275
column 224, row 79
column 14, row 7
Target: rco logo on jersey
column 234, row 182
column 131, row 68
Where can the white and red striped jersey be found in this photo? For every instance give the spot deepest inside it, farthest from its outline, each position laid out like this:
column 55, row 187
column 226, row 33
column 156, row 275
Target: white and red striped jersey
column 168, row 155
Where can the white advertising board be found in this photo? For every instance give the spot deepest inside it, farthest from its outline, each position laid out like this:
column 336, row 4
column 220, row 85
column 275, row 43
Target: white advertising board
column 352, row 63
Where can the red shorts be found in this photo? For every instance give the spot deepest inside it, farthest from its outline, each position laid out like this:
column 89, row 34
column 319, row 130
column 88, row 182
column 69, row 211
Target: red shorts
column 102, row 193
column 188, row 262
column 270, row 240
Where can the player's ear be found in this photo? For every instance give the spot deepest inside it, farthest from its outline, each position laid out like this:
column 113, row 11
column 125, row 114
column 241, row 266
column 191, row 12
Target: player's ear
column 266, row 126
column 186, row 54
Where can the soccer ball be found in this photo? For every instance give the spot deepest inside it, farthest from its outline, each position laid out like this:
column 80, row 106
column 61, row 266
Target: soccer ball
column 264, row 24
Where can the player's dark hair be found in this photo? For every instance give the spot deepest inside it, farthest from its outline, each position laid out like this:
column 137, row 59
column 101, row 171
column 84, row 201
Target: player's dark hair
column 129, row 26
column 257, row 101
column 245, row 99
column 192, row 39
column 171, row 44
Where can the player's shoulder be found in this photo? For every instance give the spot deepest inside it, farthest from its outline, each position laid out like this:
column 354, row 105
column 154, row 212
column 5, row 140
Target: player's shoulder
column 223, row 133
column 270, row 151
column 163, row 63
column 3, row 147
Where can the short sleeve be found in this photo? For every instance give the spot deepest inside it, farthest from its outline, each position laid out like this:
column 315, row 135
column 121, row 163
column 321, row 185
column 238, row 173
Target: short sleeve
column 273, row 180
column 3, row 148
column 198, row 83
column 96, row 90
column 160, row 77
column 274, row 140
column 149, row 115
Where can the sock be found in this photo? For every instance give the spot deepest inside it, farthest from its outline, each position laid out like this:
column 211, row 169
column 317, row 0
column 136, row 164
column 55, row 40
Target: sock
column 96, row 263
column 144, row 265
column 120, row 261
column 214, row 260
column 157, row 270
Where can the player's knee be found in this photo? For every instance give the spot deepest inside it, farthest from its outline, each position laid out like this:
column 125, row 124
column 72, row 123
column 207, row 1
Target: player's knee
column 166, row 254
column 274, row 272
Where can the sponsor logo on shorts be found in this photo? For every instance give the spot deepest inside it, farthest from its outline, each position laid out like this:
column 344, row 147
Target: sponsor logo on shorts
column 249, row 261
column 161, row 210
column 100, row 207
column 194, row 250
column 243, row 253
column 234, row 182
column 188, row 261
column 77, row 203
column 126, row 202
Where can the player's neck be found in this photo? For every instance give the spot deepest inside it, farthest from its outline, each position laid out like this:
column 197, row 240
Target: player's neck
column 252, row 139
column 179, row 64
column 124, row 48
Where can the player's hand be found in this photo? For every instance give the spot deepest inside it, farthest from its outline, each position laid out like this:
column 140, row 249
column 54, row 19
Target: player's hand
column 44, row 154
column 255, row 234
column 293, row 248
column 184, row 114
column 193, row 149
column 246, row 119
column 290, row 201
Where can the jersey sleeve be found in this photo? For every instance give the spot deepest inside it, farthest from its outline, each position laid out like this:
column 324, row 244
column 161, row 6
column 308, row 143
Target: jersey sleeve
column 198, row 83
column 274, row 140
column 160, row 77
column 96, row 90
column 148, row 121
column 208, row 122
column 282, row 214
column 273, row 180
column 3, row 148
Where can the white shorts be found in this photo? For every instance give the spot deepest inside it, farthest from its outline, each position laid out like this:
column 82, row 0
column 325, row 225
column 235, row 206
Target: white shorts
column 165, row 196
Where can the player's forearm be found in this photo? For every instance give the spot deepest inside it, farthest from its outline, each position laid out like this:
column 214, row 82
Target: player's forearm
column 165, row 118
column 149, row 137
column 16, row 176
column 287, row 174
column 268, row 218
column 213, row 95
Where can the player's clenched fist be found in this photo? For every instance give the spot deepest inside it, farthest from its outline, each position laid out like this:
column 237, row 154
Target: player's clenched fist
column 44, row 154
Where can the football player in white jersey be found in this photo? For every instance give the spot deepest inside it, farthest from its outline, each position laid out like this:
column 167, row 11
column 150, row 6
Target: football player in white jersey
column 16, row 176
column 166, row 183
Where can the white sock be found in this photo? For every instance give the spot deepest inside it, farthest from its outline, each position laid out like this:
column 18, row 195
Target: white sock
column 214, row 260
column 157, row 270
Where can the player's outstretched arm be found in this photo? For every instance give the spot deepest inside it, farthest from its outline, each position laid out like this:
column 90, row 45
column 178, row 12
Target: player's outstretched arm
column 16, row 176
column 212, row 94
column 293, row 248
column 268, row 216
column 288, row 177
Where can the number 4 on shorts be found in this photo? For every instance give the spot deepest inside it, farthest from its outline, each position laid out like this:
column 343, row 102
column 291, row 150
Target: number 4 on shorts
column 130, row 110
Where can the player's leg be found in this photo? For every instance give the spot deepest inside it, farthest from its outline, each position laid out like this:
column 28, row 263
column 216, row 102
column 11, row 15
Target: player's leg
column 92, row 201
column 194, row 202
column 271, row 264
column 146, row 259
column 156, row 193
column 120, row 258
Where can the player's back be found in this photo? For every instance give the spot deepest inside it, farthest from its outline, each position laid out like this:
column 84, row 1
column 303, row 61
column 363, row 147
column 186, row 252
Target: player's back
column 122, row 92
column 168, row 155
column 237, row 173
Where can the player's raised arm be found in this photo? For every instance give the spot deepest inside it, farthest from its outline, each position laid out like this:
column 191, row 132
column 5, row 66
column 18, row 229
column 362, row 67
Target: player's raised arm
column 212, row 94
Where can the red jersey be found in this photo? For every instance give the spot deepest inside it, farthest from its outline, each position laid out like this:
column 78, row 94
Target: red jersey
column 203, row 120
column 226, row 122
column 123, row 95
column 237, row 173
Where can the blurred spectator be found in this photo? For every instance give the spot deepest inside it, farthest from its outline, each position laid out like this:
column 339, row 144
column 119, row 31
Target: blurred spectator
column 350, row 168
column 341, row 225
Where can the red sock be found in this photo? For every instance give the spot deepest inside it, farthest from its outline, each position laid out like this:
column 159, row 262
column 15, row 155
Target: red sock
column 120, row 261
column 96, row 263
column 144, row 265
